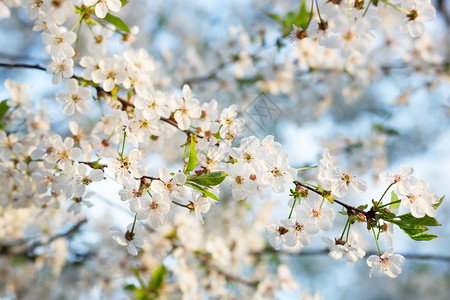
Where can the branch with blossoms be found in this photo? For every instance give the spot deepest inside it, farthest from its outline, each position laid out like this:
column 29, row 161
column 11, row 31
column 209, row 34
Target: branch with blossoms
column 140, row 117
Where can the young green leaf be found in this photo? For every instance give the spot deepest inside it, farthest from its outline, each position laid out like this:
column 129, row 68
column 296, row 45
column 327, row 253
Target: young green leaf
column 157, row 278
column 426, row 221
column 435, row 206
column 3, row 109
column 117, row 22
column 275, row 17
column 302, row 18
column 130, row 287
column 413, row 230
column 424, row 237
column 192, row 162
column 394, row 198
column 385, row 130
column 208, row 179
column 203, row 190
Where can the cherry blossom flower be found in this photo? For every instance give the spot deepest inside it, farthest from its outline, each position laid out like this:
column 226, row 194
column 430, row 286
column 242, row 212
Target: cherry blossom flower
column 81, row 179
column 102, row 6
column 313, row 210
column 277, row 235
column 279, row 174
column 18, row 95
column 78, row 203
column 111, row 71
column 170, row 185
column 127, row 166
column 201, row 205
column 132, row 238
column 241, row 183
column 340, row 181
column 402, row 179
column 188, row 108
column 76, row 100
column 9, row 144
column 154, row 209
column 132, row 193
column 60, row 41
column 249, row 155
column 419, row 199
column 387, row 263
column 298, row 232
column 420, row 11
column 339, row 249
column 60, row 67
column 154, row 104
column 62, row 153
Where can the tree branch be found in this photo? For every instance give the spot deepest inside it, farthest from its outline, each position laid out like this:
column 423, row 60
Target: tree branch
column 314, row 252
column 26, row 66
column 229, row 277
column 28, row 251
column 348, row 207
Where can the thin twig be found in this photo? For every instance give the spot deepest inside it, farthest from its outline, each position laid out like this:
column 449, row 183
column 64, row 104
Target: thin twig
column 325, row 251
column 26, row 66
column 348, row 207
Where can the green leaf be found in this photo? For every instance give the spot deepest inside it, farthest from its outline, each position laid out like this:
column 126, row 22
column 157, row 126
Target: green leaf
column 208, row 179
column 192, row 156
column 124, row 2
column 426, row 221
column 435, row 206
column 394, row 198
column 276, row 18
column 385, row 130
column 3, row 109
column 157, row 278
column 117, row 22
column 302, row 18
column 413, row 230
column 130, row 287
column 424, row 237
column 204, row 191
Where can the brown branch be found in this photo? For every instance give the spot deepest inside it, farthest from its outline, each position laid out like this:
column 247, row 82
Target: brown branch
column 26, row 66
column 229, row 277
column 270, row 251
column 348, row 207
column 28, row 251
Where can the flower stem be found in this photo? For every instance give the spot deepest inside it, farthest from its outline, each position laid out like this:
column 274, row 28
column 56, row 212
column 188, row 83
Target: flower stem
column 379, row 201
column 78, row 22
column 310, row 15
column 318, row 11
column 134, row 223
column 367, row 8
column 292, row 208
column 306, row 168
column 397, row 7
column 179, row 204
column 343, row 232
column 393, row 202
column 348, row 231
column 376, row 240
column 78, row 38
column 307, row 183
column 123, row 144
